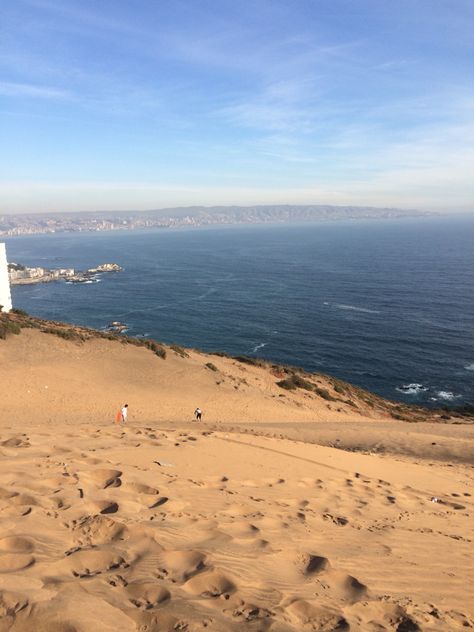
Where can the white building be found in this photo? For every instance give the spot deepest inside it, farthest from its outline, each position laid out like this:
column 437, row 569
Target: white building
column 5, row 296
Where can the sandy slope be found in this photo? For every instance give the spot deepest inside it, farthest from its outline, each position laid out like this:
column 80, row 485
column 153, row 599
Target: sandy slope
column 59, row 380
column 166, row 524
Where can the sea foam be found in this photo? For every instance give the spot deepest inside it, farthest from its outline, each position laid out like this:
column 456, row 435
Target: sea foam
column 412, row 389
column 352, row 308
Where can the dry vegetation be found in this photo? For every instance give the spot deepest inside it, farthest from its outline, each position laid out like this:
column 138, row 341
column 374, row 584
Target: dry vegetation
column 288, row 378
column 17, row 319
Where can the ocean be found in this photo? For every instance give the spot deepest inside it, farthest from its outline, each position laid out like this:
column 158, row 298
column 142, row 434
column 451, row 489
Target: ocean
column 387, row 305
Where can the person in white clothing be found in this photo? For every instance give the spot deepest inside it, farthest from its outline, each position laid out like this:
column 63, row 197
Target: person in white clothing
column 124, row 412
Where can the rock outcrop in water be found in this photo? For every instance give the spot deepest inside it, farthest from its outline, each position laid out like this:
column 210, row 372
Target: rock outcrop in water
column 23, row 275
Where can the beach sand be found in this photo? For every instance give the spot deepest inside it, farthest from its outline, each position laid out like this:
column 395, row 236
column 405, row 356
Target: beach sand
column 289, row 513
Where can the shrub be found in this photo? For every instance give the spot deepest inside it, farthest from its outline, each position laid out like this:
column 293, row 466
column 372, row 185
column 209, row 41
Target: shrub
column 211, row 366
column 466, row 410
column 295, row 381
column 302, row 383
column 8, row 327
column 399, row 417
column 179, row 351
column 19, row 312
column 287, row 384
column 338, row 388
column 154, row 346
column 159, row 351
column 322, row 392
column 136, row 342
column 247, row 360
column 66, row 334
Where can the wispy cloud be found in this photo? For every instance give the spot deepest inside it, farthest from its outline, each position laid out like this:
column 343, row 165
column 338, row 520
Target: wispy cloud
column 28, row 90
column 307, row 102
column 283, row 106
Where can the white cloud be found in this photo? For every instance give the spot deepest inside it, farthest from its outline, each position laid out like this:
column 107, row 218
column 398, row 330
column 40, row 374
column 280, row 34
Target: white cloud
column 13, row 89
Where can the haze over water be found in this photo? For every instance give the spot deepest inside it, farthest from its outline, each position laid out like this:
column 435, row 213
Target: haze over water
column 386, row 305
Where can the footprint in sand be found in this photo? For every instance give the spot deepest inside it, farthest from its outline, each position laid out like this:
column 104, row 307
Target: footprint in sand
column 97, row 530
column 11, row 562
column 16, row 442
column 54, row 483
column 211, row 584
column 16, row 544
column 87, row 563
column 23, row 499
column 342, row 585
column 147, row 595
column 377, row 615
column 313, row 564
column 181, row 565
column 309, row 616
column 14, row 512
column 102, row 507
column 103, row 478
column 6, row 494
column 140, row 488
column 240, row 529
column 10, row 604
column 350, row 588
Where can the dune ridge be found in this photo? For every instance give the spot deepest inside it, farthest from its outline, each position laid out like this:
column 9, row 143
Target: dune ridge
column 294, row 513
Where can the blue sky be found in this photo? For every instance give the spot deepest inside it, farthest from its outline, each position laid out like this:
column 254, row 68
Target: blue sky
column 121, row 104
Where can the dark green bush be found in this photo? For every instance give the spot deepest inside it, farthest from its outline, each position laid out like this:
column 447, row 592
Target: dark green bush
column 211, row 366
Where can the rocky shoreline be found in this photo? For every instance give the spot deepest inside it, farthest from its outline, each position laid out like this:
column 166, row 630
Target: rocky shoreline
column 22, row 275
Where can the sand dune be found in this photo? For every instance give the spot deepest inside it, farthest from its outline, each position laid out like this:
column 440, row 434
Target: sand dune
column 240, row 522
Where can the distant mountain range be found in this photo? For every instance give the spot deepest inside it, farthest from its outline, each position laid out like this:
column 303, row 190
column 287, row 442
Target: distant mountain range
column 192, row 216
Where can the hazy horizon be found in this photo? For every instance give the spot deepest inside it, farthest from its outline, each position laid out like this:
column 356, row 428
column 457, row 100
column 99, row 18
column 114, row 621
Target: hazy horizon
column 429, row 211
column 103, row 107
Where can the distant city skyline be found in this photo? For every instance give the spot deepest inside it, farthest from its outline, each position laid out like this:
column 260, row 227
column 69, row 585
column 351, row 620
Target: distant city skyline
column 107, row 107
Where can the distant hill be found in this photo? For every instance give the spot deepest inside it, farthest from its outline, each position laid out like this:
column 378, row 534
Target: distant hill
column 193, row 216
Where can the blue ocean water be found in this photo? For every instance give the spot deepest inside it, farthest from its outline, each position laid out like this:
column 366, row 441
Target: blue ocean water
column 387, row 305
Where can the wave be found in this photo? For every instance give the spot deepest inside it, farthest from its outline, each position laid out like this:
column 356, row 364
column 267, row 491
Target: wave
column 259, row 346
column 412, row 389
column 353, row 308
column 469, row 367
column 447, row 395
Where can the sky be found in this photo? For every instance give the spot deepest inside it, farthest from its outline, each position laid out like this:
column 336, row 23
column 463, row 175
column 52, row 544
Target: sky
column 126, row 104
